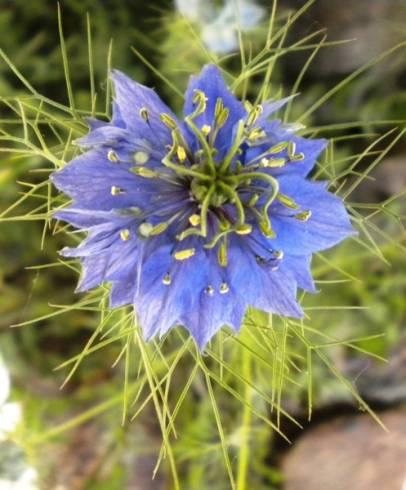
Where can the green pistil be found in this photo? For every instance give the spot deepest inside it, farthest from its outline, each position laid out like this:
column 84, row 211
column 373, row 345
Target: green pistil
column 208, row 151
column 239, row 139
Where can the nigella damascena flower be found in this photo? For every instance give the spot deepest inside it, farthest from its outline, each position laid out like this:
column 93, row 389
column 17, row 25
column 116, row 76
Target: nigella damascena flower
column 193, row 220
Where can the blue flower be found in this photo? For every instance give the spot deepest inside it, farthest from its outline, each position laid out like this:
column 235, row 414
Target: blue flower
column 194, row 220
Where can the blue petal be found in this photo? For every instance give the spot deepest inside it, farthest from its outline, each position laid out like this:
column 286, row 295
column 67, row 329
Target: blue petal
column 131, row 97
column 88, row 179
column 299, row 267
column 328, row 225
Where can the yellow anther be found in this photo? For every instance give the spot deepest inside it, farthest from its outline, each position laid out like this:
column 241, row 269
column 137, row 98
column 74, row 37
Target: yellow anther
column 224, row 288
column 298, row 157
column 141, row 157
column 266, row 230
column 291, row 149
column 115, row 191
column 145, row 229
column 206, row 129
column 168, row 121
column 279, row 147
column 254, row 115
column 166, row 280
column 125, row 235
column 304, row 215
column 278, row 254
column 219, row 107
column 181, row 152
column 158, row 229
column 276, row 162
column 144, row 172
column 287, row 201
column 184, row 254
column 221, row 119
column 256, row 134
column 144, row 113
column 264, row 162
column 222, row 255
column 244, row 229
column 112, row 156
column 194, row 219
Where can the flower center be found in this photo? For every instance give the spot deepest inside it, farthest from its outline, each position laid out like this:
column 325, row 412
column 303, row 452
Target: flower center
column 230, row 193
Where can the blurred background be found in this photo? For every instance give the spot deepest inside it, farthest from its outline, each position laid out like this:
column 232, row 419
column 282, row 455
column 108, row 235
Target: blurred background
column 73, row 439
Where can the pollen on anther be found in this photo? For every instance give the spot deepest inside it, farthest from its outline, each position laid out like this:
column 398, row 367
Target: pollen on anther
column 144, row 113
column 125, row 235
column 116, row 191
column 206, row 129
column 224, row 288
column 184, row 254
column 111, row 155
column 194, row 219
column 209, row 290
column 141, row 157
column 145, row 229
column 166, row 280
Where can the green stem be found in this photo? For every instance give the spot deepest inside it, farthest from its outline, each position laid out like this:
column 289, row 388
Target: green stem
column 203, row 141
column 239, row 138
column 237, row 201
column 243, row 456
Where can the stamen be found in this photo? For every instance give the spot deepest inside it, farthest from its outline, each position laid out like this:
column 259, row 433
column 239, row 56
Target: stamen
column 166, row 280
column 254, row 115
column 278, row 254
column 279, row 147
column 144, row 114
column 256, row 134
column 116, row 191
column 272, row 162
column 245, row 229
column 298, row 157
column 221, row 119
column 111, row 155
column 194, row 219
column 158, row 229
column 145, row 229
column 219, row 107
column 206, row 129
column 184, row 254
column 303, row 216
column 224, row 288
column 287, row 201
column 291, row 149
column 168, row 121
column 265, row 227
column 141, row 158
column 222, row 253
column 125, row 235
column 209, row 290
column 181, row 153
column 144, row 172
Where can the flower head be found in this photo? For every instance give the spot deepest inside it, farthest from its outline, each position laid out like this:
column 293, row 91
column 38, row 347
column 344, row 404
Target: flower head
column 194, row 220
